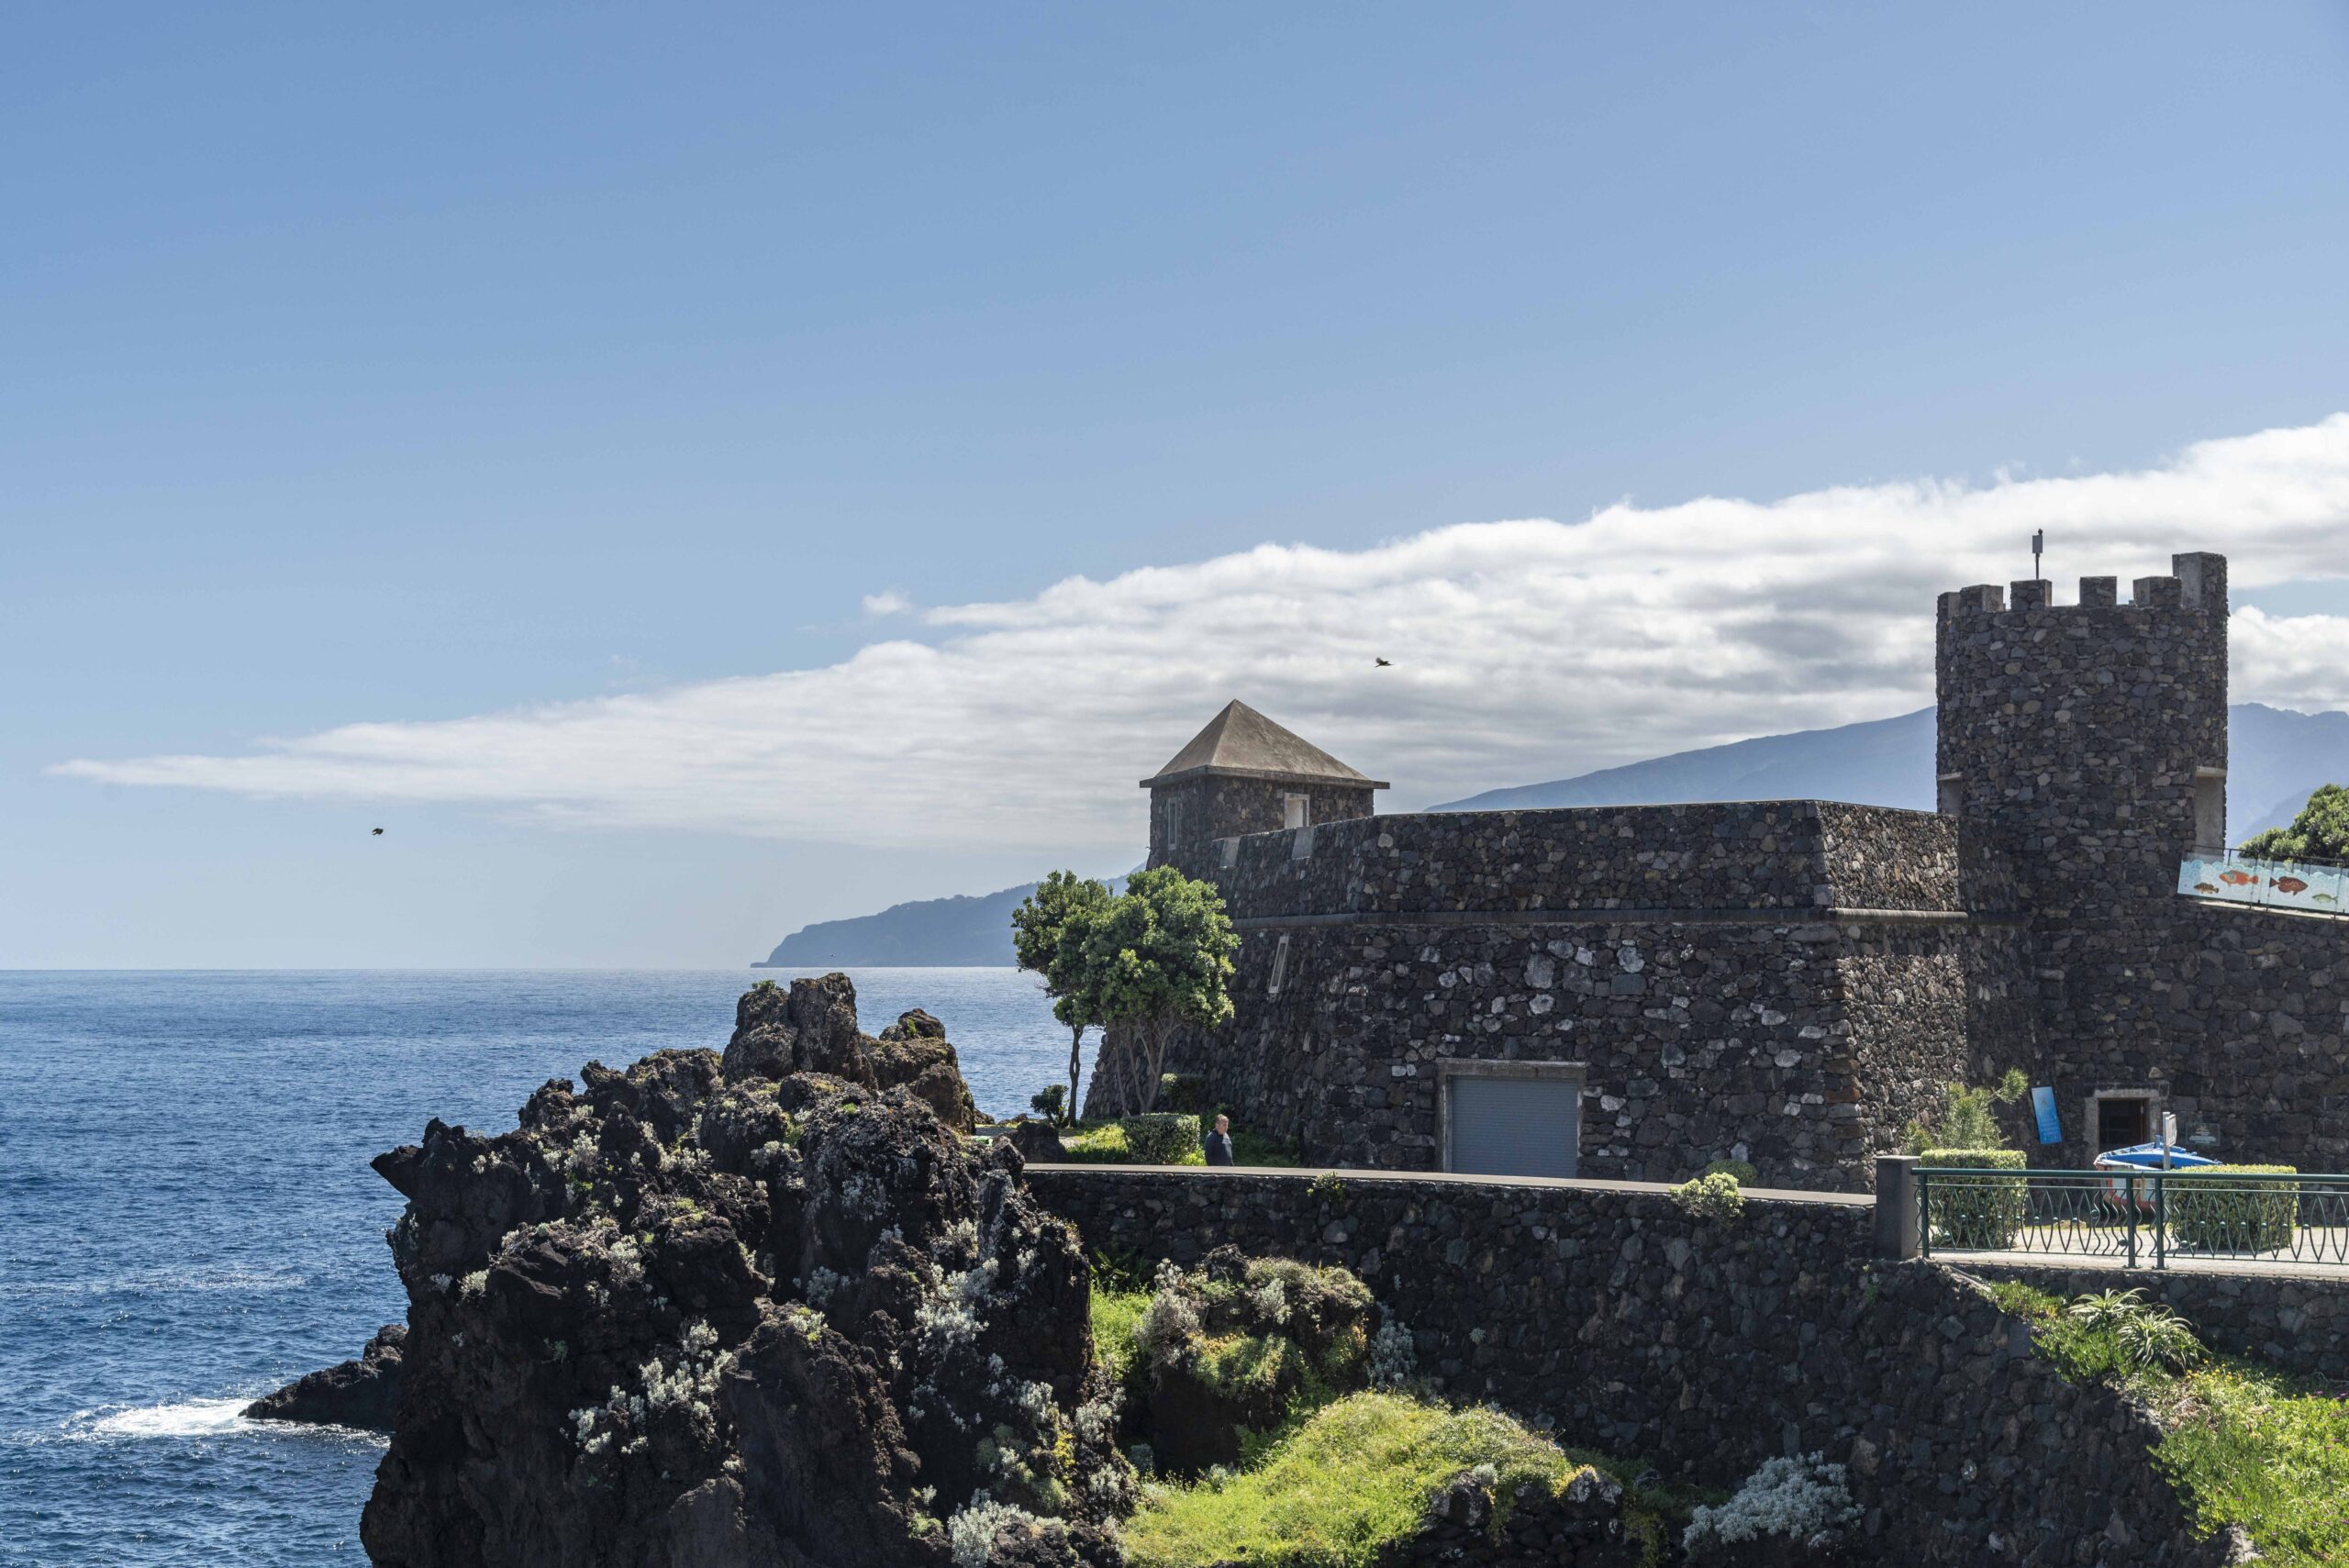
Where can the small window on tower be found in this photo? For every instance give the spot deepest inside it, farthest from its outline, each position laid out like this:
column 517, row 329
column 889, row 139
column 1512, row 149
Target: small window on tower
column 1951, row 794
column 1296, row 810
column 2209, row 811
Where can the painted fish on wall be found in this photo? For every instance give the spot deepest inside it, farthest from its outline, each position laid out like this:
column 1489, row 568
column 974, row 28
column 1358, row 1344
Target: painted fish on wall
column 2323, row 898
column 2237, row 878
column 2206, row 887
column 2289, row 885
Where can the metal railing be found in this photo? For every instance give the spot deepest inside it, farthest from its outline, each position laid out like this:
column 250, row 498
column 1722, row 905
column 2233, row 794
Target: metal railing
column 2318, row 887
column 2145, row 1219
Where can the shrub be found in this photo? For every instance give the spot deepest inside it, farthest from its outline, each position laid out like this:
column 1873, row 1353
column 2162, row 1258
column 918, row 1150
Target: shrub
column 1710, row 1197
column 2142, row 1334
column 1966, row 1120
column 1986, row 1212
column 2239, row 1217
column 1801, row 1498
column 1051, row 1102
column 1162, row 1138
column 1738, row 1168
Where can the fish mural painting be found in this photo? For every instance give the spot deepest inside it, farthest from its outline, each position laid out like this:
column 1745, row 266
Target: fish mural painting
column 2276, row 884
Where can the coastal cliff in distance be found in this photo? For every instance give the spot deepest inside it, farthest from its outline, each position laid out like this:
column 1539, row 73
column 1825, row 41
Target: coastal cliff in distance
column 927, row 932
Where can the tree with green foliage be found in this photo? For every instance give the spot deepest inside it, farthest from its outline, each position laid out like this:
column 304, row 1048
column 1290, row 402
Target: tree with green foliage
column 1049, row 936
column 1966, row 1120
column 2321, row 832
column 1158, row 958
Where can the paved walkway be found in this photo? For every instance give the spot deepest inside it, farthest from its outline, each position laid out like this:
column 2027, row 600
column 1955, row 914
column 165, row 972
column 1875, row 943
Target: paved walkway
column 1216, row 1173
column 2179, row 1263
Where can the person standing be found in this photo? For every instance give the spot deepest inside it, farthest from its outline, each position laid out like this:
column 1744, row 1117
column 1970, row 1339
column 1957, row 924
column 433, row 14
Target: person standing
column 1218, row 1143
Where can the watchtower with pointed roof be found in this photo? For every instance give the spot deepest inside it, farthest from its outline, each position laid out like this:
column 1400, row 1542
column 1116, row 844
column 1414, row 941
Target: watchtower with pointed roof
column 1243, row 774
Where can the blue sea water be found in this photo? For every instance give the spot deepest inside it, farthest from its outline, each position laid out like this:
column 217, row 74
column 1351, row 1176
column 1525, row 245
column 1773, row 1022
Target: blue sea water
column 187, row 1217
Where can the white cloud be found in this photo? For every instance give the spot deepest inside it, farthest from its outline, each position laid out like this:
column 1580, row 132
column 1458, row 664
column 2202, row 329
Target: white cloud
column 1521, row 650
column 888, row 601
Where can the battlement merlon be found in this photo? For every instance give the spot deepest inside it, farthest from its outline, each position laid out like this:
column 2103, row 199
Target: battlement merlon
column 2197, row 580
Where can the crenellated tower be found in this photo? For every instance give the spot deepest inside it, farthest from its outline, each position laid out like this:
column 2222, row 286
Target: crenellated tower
column 2083, row 751
column 2083, row 747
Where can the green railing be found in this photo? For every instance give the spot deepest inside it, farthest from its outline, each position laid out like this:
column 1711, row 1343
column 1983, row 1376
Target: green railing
column 2145, row 1219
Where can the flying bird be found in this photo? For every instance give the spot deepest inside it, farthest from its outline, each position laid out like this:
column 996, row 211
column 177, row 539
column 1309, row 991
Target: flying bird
column 379, row 832
column 1382, row 664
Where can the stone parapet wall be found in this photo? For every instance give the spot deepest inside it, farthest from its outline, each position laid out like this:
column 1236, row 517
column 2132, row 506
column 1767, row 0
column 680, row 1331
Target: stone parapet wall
column 1704, row 1347
column 1791, row 856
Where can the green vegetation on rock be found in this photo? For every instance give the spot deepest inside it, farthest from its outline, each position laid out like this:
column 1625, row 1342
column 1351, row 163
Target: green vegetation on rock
column 2244, row 1446
column 1355, row 1476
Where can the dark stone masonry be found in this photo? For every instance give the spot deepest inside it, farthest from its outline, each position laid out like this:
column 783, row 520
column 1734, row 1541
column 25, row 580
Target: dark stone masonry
column 1705, row 1347
column 1786, row 983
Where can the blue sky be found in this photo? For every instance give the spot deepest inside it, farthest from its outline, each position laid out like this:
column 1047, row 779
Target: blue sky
column 419, row 366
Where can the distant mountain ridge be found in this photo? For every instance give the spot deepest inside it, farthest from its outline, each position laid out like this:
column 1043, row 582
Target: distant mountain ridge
column 2275, row 758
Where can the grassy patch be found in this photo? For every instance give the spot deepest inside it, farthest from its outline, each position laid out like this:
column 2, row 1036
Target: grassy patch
column 1117, row 1306
column 2251, row 1449
column 2245, row 1445
column 1355, row 1476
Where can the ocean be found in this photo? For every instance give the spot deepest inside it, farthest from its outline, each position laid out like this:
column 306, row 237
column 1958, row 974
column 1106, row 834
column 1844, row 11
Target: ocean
column 187, row 1218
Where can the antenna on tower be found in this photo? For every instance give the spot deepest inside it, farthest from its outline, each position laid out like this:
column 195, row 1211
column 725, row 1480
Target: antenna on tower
column 2038, row 543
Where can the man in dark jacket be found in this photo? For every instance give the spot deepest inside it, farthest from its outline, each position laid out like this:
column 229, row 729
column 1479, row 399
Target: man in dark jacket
column 1219, row 1142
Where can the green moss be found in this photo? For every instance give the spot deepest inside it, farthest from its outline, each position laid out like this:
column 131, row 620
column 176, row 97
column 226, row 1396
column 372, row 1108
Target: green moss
column 1353, row 1477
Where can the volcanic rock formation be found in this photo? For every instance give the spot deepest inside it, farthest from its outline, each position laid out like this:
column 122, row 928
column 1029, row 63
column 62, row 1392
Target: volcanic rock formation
column 361, row 1392
column 769, row 1308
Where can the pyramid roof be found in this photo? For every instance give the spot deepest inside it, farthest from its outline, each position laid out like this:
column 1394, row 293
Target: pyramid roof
column 1244, row 743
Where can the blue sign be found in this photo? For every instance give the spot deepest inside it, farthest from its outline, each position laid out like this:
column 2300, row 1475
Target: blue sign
column 2051, row 1130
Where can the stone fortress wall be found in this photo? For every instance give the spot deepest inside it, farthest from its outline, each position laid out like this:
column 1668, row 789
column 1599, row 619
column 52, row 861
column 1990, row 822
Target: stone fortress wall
column 1777, row 982
column 1787, row 982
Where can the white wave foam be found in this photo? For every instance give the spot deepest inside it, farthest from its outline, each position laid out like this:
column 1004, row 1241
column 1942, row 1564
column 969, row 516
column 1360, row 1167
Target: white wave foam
column 189, row 1418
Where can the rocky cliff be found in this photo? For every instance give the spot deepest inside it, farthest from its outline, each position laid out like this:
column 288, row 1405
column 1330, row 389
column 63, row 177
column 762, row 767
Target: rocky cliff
column 767, row 1308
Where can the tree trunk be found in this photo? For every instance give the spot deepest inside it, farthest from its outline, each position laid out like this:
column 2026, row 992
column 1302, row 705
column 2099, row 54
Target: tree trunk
column 1150, row 1048
column 1075, row 1063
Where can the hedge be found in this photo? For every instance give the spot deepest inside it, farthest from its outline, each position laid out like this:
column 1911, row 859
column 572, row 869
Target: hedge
column 1162, row 1138
column 1988, row 1210
column 2249, row 1217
